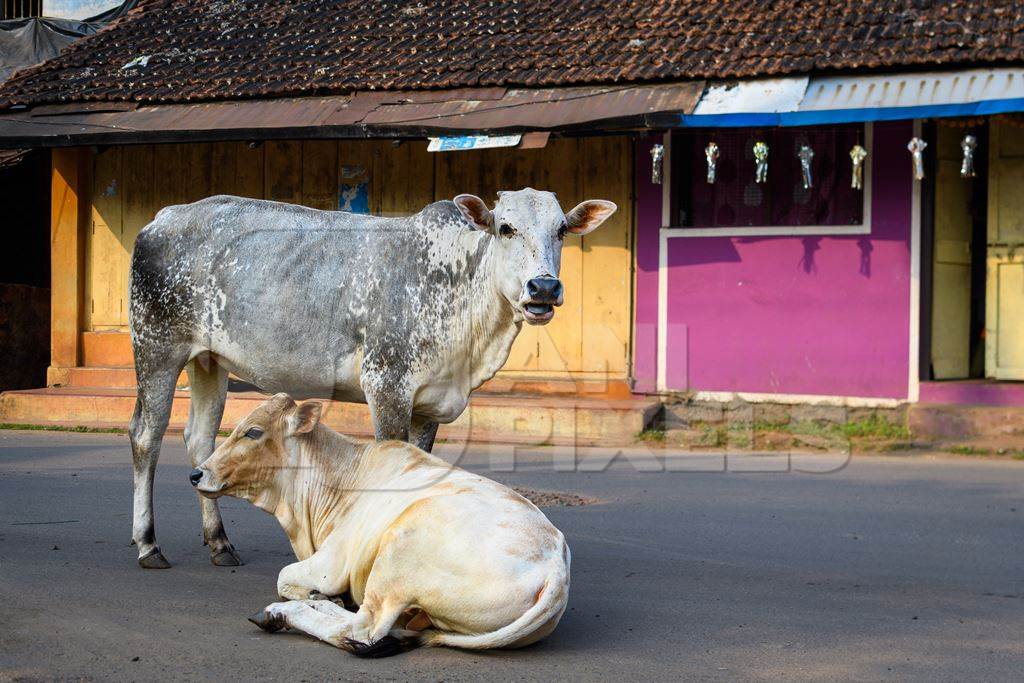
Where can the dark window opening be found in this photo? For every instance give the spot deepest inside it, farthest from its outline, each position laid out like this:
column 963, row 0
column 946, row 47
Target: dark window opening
column 735, row 200
column 25, row 270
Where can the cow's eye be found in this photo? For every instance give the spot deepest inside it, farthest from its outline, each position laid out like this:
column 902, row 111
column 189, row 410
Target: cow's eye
column 254, row 433
column 506, row 230
column 562, row 230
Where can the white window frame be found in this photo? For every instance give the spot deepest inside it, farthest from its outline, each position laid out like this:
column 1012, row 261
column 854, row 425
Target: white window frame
column 864, row 228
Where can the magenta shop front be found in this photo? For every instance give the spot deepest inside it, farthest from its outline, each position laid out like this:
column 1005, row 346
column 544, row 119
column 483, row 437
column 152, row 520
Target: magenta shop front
column 774, row 290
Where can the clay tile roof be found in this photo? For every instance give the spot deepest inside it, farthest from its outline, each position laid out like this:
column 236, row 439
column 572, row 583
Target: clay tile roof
column 187, row 50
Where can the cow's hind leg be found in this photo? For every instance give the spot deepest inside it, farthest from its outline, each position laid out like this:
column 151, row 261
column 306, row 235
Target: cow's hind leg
column 422, row 433
column 209, row 386
column 146, row 432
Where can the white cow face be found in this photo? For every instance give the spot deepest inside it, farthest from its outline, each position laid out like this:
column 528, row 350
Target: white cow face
column 528, row 228
column 255, row 461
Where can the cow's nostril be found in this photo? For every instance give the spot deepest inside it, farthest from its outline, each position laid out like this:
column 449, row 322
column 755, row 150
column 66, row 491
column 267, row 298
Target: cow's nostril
column 195, row 476
column 544, row 289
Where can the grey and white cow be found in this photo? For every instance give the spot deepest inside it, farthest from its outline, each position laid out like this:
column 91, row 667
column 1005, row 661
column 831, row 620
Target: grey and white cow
column 408, row 315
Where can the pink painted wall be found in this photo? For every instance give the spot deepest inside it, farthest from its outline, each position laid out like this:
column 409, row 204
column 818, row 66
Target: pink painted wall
column 790, row 315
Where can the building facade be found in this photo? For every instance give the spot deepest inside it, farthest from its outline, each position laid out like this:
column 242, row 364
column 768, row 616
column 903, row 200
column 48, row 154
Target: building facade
column 792, row 283
column 587, row 340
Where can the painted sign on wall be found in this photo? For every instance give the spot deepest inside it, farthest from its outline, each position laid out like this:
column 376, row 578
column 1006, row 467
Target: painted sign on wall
column 457, row 142
column 354, row 198
column 354, row 189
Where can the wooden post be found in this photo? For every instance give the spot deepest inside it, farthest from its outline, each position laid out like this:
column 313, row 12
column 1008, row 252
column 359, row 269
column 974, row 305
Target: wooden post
column 69, row 218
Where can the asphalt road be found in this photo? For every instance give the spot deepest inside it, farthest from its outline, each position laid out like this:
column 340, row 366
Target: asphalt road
column 887, row 569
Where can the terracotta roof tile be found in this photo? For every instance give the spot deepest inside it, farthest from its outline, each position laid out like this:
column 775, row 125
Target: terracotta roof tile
column 226, row 49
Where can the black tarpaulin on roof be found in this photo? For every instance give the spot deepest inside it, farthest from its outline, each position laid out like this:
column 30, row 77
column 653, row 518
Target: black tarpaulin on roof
column 31, row 40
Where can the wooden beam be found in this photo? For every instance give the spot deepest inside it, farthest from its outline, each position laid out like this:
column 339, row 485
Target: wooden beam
column 69, row 216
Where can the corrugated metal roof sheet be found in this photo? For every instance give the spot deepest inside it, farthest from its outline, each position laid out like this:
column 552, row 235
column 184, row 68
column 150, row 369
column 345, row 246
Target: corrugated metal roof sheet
column 761, row 95
column 913, row 89
column 545, row 109
column 365, row 114
column 871, row 97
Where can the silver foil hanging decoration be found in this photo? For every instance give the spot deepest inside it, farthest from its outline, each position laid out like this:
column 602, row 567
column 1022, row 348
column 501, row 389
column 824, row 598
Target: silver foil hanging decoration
column 657, row 157
column 711, row 152
column 916, row 147
column 857, row 155
column 806, row 154
column 968, row 145
column 761, row 161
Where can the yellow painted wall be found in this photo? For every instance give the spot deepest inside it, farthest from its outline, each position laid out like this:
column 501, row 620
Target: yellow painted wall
column 590, row 334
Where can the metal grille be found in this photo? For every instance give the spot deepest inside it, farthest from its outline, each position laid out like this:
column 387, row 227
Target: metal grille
column 16, row 9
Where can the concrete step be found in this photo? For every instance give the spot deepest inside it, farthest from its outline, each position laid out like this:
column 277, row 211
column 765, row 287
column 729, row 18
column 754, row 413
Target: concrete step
column 973, row 392
column 105, row 376
column 509, row 418
column 113, row 348
column 957, row 422
column 123, row 377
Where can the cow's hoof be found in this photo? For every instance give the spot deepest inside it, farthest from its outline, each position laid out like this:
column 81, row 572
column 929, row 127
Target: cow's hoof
column 226, row 558
column 268, row 621
column 154, row 559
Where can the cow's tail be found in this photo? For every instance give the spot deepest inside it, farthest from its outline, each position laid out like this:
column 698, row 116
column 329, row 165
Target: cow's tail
column 550, row 604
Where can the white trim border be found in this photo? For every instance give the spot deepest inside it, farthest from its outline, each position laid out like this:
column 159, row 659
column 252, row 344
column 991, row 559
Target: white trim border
column 798, row 399
column 914, row 358
column 666, row 210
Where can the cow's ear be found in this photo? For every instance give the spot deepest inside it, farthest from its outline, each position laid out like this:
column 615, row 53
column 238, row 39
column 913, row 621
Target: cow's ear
column 588, row 215
column 306, row 417
column 475, row 211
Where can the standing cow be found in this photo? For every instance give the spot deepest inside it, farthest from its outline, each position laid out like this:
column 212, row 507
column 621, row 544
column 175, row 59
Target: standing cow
column 408, row 315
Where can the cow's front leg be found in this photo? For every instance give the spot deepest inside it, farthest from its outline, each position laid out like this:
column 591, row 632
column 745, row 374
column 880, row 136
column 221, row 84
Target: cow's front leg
column 390, row 407
column 336, row 626
column 422, row 433
column 321, row 619
column 317, row 574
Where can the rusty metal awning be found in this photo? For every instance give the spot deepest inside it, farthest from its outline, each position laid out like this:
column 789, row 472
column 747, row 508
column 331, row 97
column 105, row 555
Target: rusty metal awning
column 362, row 115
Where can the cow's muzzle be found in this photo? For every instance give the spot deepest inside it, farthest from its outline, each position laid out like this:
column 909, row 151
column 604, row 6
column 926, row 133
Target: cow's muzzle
column 207, row 488
column 542, row 295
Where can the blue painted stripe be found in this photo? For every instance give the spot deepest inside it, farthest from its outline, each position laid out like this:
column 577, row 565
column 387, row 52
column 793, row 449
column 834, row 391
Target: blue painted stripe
column 810, row 118
column 727, row 120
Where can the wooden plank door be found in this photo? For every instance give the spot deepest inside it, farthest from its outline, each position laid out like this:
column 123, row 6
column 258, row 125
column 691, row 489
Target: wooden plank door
column 1004, row 304
column 106, row 281
column 951, row 301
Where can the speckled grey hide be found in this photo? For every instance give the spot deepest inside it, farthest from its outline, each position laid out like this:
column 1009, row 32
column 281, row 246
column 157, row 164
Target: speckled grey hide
column 406, row 314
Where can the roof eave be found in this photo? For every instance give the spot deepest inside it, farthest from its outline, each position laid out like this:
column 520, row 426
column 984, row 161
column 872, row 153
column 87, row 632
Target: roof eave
column 362, row 115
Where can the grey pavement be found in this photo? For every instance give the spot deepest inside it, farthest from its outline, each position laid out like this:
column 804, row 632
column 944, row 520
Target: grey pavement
column 887, row 568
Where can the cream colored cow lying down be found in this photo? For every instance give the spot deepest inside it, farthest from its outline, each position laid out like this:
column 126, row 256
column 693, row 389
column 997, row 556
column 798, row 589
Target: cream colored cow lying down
column 432, row 554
